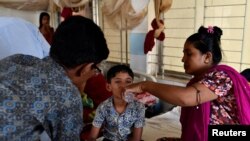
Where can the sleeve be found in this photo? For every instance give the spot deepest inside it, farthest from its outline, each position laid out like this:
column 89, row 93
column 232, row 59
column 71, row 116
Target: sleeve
column 140, row 120
column 218, row 81
column 99, row 116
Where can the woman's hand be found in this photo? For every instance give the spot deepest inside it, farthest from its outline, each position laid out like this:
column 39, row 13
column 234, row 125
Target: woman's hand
column 135, row 87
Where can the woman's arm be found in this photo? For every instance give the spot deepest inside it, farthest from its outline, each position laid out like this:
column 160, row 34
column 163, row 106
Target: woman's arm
column 177, row 95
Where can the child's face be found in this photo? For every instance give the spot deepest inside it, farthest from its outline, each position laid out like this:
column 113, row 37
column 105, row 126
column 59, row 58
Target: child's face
column 118, row 83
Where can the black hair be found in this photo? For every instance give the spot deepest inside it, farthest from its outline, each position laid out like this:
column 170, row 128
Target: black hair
column 43, row 14
column 246, row 74
column 118, row 68
column 208, row 40
column 78, row 40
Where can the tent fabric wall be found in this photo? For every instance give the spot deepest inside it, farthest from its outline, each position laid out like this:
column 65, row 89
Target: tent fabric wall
column 34, row 5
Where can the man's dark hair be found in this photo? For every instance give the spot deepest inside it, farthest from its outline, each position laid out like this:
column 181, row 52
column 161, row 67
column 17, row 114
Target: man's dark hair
column 78, row 40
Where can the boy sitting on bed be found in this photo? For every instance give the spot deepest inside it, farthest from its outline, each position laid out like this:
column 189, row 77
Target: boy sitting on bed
column 119, row 119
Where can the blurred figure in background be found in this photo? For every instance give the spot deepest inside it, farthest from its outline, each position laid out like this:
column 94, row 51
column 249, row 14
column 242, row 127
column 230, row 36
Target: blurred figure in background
column 45, row 28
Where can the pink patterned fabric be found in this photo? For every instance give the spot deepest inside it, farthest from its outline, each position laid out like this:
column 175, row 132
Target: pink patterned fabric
column 195, row 121
column 147, row 99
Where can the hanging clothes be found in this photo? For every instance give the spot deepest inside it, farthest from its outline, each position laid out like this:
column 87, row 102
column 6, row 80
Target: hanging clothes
column 157, row 24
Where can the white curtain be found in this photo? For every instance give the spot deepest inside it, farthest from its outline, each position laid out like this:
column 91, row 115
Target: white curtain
column 32, row 5
column 70, row 3
column 121, row 14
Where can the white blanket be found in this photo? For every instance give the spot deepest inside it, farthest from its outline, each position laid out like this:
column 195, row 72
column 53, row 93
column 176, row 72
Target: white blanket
column 164, row 125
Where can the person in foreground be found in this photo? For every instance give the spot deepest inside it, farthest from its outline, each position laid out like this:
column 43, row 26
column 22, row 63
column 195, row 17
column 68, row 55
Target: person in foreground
column 216, row 95
column 120, row 120
column 31, row 43
column 44, row 94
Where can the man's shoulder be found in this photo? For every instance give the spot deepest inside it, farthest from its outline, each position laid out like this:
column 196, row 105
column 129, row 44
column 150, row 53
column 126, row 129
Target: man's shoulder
column 21, row 59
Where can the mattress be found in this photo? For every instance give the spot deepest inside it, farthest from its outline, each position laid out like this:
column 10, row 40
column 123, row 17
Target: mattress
column 163, row 125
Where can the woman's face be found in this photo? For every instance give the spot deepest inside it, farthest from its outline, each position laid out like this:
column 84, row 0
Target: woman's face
column 45, row 20
column 195, row 62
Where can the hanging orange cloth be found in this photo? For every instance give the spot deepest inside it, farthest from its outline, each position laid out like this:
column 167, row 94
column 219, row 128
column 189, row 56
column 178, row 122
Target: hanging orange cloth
column 157, row 25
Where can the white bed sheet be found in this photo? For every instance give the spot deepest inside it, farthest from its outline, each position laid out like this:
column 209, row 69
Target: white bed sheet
column 164, row 125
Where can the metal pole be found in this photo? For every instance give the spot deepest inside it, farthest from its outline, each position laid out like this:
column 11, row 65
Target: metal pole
column 121, row 41
column 126, row 42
